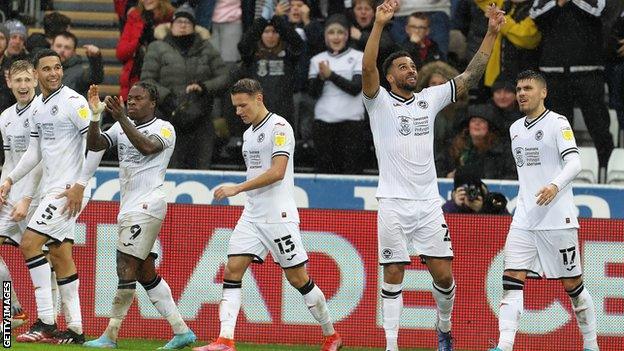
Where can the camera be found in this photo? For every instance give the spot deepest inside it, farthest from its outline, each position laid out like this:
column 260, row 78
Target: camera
column 472, row 191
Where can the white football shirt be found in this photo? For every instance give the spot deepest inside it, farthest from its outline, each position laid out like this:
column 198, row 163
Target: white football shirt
column 142, row 177
column 15, row 129
column 403, row 136
column 334, row 104
column 539, row 148
column 274, row 203
column 61, row 122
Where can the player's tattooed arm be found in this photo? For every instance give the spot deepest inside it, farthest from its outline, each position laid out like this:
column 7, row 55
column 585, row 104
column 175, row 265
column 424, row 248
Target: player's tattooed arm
column 476, row 67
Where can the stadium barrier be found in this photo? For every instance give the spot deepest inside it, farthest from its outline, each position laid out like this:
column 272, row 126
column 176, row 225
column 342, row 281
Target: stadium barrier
column 343, row 262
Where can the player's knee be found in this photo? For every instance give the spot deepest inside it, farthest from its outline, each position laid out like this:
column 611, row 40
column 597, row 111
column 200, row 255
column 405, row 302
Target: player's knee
column 233, row 272
column 444, row 280
column 28, row 247
column 570, row 284
column 393, row 273
column 125, row 270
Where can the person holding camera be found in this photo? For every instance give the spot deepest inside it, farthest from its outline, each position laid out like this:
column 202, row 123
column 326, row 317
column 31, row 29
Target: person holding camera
column 471, row 195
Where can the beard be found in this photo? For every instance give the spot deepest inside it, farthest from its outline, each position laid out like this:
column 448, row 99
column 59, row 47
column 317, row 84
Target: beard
column 404, row 85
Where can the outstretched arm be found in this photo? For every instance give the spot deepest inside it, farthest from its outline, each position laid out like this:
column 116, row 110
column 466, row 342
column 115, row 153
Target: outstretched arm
column 476, row 67
column 370, row 74
column 95, row 140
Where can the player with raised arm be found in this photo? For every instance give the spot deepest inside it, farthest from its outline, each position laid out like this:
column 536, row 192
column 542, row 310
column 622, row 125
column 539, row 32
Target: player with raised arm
column 24, row 198
column 543, row 235
column 144, row 144
column 58, row 125
column 270, row 220
column 409, row 215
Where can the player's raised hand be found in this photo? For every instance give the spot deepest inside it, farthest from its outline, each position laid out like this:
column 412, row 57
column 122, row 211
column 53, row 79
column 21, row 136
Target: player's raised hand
column 93, row 96
column 226, row 191
column 385, row 11
column 496, row 18
column 115, row 105
column 74, row 197
column 546, row 195
column 5, row 188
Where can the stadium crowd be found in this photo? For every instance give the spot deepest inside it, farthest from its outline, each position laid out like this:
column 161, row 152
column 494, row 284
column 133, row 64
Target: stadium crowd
column 306, row 54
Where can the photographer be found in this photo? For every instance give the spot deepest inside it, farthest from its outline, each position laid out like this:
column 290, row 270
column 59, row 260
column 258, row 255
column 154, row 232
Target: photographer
column 471, row 195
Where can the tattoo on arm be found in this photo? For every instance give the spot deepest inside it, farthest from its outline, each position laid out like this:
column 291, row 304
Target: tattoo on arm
column 472, row 74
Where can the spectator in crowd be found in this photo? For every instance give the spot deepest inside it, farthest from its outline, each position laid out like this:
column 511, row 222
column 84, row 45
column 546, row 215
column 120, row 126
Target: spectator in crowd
column 319, row 9
column 364, row 15
column 336, row 80
column 419, row 44
column 77, row 74
column 479, row 146
column 270, row 52
column 615, row 55
column 515, row 47
column 572, row 61
column 505, row 105
column 122, row 8
column 17, row 38
column 54, row 23
column 438, row 11
column 227, row 28
column 137, row 34
column 471, row 195
column 447, row 120
column 189, row 73
column 6, row 96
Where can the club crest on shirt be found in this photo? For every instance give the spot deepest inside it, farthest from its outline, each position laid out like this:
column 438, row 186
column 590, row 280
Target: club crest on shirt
column 519, row 156
column 26, row 123
column 539, row 135
column 261, row 137
column 405, row 125
column 54, row 110
column 386, row 253
column 422, row 104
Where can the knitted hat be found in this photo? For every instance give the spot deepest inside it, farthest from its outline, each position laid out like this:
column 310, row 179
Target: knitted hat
column 185, row 11
column 503, row 83
column 16, row 27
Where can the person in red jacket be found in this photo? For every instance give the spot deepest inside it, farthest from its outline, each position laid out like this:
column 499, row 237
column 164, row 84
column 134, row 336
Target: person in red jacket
column 138, row 32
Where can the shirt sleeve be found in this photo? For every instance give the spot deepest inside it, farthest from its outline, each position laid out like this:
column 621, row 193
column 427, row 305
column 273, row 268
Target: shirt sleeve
column 166, row 135
column 111, row 134
column 566, row 143
column 283, row 140
column 357, row 62
column 314, row 69
column 441, row 95
column 34, row 130
column 371, row 103
column 79, row 113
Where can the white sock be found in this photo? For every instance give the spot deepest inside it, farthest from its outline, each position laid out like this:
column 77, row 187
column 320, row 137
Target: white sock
column 229, row 307
column 444, row 299
column 392, row 306
column 160, row 294
column 583, row 306
column 39, row 270
column 511, row 308
column 56, row 297
column 68, row 287
column 121, row 304
column 315, row 300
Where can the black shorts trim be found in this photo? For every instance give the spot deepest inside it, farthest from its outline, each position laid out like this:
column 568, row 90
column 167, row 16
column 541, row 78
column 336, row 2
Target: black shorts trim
column 9, row 241
column 138, row 258
column 559, row 278
column 256, row 259
column 405, row 263
column 294, row 266
column 423, row 258
column 530, row 274
column 55, row 241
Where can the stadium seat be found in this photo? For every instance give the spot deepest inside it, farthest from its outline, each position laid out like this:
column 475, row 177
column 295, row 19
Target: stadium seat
column 589, row 165
column 615, row 168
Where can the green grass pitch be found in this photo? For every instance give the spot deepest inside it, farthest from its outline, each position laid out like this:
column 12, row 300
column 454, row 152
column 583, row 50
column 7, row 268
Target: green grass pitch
column 144, row 344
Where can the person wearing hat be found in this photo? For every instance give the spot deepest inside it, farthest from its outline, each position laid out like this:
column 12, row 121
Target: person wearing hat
column 479, row 145
column 471, row 195
column 17, row 38
column 189, row 73
column 335, row 79
column 505, row 105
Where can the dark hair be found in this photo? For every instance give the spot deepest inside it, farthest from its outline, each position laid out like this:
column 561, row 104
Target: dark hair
column 68, row 35
column 55, row 23
column 421, row 16
column 385, row 67
column 530, row 74
column 44, row 53
column 246, row 86
column 151, row 89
